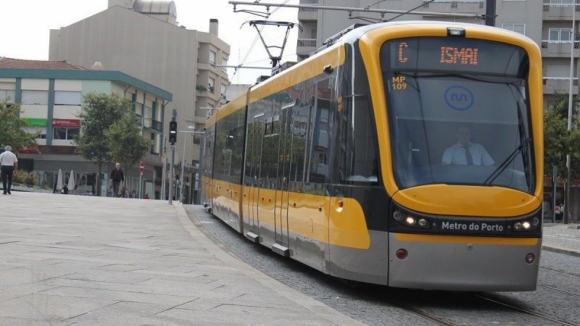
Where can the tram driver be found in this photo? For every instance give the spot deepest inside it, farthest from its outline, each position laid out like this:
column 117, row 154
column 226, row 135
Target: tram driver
column 464, row 152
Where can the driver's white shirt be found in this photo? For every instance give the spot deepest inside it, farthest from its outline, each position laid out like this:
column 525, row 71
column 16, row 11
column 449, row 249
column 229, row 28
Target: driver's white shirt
column 455, row 154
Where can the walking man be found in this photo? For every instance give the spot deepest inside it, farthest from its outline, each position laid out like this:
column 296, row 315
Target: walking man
column 9, row 163
column 117, row 177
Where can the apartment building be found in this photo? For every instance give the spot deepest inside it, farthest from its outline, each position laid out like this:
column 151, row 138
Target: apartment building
column 50, row 94
column 547, row 22
column 142, row 38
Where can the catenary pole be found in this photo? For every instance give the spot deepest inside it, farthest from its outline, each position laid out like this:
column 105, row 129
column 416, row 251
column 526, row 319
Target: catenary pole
column 567, row 205
column 490, row 13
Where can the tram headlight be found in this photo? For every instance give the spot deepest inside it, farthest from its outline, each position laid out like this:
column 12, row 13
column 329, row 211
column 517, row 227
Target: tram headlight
column 404, row 220
column 398, row 216
column 528, row 224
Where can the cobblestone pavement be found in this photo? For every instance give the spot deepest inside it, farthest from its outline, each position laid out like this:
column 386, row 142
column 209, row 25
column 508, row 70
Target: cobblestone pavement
column 382, row 306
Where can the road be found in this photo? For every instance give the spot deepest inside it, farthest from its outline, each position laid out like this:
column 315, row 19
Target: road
column 555, row 302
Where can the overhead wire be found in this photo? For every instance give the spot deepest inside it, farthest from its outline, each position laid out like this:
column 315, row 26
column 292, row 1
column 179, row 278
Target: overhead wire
column 256, row 40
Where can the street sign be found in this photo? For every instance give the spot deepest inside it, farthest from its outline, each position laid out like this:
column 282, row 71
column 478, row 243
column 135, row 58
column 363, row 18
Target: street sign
column 142, row 167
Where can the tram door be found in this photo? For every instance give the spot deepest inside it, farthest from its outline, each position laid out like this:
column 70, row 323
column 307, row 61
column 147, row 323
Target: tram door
column 281, row 245
column 254, row 159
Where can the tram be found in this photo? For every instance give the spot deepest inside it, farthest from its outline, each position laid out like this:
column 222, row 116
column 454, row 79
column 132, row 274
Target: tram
column 405, row 154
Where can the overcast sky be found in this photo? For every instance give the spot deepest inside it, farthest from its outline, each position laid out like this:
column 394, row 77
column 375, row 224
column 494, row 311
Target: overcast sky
column 25, row 26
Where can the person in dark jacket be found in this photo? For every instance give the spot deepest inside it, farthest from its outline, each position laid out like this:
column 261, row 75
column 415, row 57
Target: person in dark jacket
column 117, row 177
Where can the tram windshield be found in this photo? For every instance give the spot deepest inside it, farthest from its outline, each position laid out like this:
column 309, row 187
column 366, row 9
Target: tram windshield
column 458, row 112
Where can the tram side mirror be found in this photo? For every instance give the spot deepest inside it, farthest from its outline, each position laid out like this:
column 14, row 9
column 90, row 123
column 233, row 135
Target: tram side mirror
column 328, row 69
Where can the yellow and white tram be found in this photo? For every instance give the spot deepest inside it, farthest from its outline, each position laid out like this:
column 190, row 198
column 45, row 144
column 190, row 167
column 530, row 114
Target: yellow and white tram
column 355, row 162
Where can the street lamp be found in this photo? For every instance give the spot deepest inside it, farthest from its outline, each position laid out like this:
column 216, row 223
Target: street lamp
column 570, row 94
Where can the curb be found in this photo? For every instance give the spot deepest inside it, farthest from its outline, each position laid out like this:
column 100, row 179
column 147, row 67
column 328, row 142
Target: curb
column 561, row 251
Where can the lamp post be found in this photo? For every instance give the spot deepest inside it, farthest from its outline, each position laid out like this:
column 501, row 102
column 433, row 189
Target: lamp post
column 570, row 97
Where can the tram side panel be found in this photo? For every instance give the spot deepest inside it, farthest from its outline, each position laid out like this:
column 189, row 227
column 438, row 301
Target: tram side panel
column 207, row 175
column 358, row 222
column 227, row 164
column 309, row 202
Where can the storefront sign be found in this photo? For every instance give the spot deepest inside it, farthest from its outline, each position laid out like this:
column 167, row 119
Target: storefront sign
column 36, row 122
column 73, row 123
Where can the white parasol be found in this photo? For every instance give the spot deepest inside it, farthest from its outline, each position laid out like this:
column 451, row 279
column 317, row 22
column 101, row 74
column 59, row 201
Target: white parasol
column 59, row 181
column 71, row 181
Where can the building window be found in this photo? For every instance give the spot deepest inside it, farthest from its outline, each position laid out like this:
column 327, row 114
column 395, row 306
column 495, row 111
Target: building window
column 35, row 97
column 560, row 34
column 68, row 98
column 10, row 94
column 224, row 64
column 210, row 84
column 41, row 131
column 564, row 2
column 212, row 57
column 518, row 28
column 61, row 133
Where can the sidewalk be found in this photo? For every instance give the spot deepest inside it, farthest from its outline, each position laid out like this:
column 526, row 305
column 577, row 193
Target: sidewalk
column 78, row 260
column 562, row 238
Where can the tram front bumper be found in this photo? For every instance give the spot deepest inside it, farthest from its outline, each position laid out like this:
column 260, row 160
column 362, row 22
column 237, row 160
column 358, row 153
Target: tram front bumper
column 463, row 263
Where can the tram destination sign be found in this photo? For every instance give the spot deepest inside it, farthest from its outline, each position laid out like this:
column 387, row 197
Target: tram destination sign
column 462, row 55
column 464, row 226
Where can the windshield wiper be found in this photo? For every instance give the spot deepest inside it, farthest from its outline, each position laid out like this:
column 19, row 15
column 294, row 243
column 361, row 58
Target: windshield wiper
column 506, row 162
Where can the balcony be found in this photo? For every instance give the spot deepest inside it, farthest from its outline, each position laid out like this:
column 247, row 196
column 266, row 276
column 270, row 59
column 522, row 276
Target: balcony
column 560, row 85
column 461, row 6
column 558, row 49
column 307, row 14
column 306, row 46
column 157, row 125
column 555, row 11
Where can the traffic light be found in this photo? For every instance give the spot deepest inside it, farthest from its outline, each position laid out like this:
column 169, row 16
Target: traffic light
column 172, row 132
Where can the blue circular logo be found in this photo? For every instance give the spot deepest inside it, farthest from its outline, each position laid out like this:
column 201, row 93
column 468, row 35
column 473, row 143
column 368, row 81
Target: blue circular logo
column 459, row 98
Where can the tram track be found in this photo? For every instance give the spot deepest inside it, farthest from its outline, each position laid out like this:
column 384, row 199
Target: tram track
column 559, row 271
column 391, row 305
column 423, row 314
column 544, row 317
column 553, row 288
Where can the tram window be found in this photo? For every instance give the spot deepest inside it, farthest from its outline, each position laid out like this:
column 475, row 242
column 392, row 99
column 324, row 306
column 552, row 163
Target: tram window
column 357, row 148
column 318, row 166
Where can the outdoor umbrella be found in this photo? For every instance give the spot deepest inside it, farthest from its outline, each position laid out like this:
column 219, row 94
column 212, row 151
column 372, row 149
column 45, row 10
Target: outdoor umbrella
column 71, row 181
column 59, row 181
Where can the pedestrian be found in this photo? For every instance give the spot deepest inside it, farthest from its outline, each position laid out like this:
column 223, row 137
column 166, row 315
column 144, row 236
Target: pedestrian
column 146, row 196
column 133, row 194
column 559, row 210
column 117, row 177
column 64, row 190
column 9, row 164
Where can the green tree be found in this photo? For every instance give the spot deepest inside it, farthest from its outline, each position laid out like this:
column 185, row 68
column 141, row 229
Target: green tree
column 127, row 145
column 11, row 128
column 558, row 141
column 100, row 112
